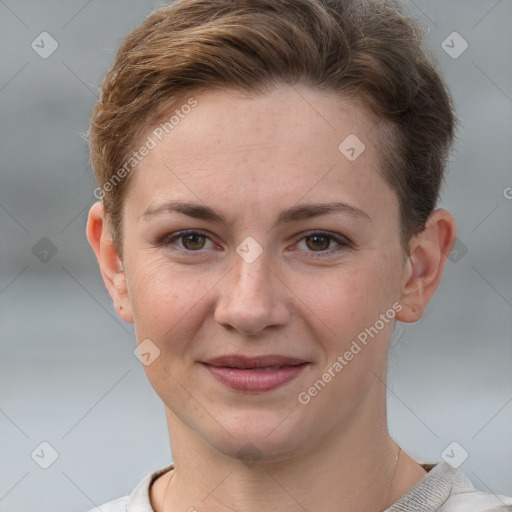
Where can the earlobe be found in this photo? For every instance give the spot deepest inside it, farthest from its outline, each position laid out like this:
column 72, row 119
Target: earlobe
column 111, row 267
column 424, row 267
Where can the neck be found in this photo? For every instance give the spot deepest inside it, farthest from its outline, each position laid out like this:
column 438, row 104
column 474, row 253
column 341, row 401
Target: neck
column 356, row 467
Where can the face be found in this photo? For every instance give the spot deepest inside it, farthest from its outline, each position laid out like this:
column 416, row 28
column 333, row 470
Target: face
column 248, row 233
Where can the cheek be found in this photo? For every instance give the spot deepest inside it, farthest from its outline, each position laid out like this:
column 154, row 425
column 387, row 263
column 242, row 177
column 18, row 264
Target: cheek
column 351, row 292
column 164, row 298
column 358, row 310
column 169, row 308
column 349, row 302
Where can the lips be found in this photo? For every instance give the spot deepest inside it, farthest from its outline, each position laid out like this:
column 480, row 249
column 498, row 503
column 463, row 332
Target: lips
column 243, row 362
column 256, row 374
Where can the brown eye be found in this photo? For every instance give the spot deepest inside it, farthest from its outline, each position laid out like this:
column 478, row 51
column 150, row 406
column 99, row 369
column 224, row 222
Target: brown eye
column 193, row 242
column 186, row 242
column 318, row 242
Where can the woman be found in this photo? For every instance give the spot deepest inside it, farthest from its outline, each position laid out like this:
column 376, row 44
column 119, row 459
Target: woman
column 268, row 173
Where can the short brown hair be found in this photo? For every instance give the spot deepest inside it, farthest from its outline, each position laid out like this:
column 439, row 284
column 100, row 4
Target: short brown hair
column 363, row 49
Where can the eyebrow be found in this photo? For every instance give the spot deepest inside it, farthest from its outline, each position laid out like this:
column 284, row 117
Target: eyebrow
column 296, row 213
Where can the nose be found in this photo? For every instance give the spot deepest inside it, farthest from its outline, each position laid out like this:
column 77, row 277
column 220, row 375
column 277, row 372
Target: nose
column 252, row 298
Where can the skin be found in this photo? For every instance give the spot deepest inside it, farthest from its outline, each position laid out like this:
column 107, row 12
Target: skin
column 249, row 158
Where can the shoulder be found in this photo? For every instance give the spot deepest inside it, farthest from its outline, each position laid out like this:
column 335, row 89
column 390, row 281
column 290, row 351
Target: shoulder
column 446, row 489
column 138, row 500
column 477, row 501
column 464, row 497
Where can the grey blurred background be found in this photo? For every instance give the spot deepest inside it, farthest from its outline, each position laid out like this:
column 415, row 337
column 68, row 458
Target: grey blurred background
column 68, row 376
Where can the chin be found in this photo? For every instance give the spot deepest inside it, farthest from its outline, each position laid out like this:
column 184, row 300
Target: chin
column 252, row 451
column 253, row 439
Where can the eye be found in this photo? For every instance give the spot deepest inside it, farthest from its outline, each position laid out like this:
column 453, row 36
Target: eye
column 187, row 241
column 193, row 241
column 322, row 243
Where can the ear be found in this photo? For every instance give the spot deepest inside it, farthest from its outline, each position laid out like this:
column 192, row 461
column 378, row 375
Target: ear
column 425, row 264
column 110, row 264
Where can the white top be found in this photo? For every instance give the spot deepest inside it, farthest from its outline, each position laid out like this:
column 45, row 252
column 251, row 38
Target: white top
column 442, row 489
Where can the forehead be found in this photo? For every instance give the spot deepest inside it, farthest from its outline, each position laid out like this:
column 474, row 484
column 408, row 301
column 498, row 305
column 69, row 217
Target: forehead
column 286, row 115
column 287, row 143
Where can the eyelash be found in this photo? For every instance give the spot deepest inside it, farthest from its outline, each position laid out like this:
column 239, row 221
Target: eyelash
column 342, row 242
